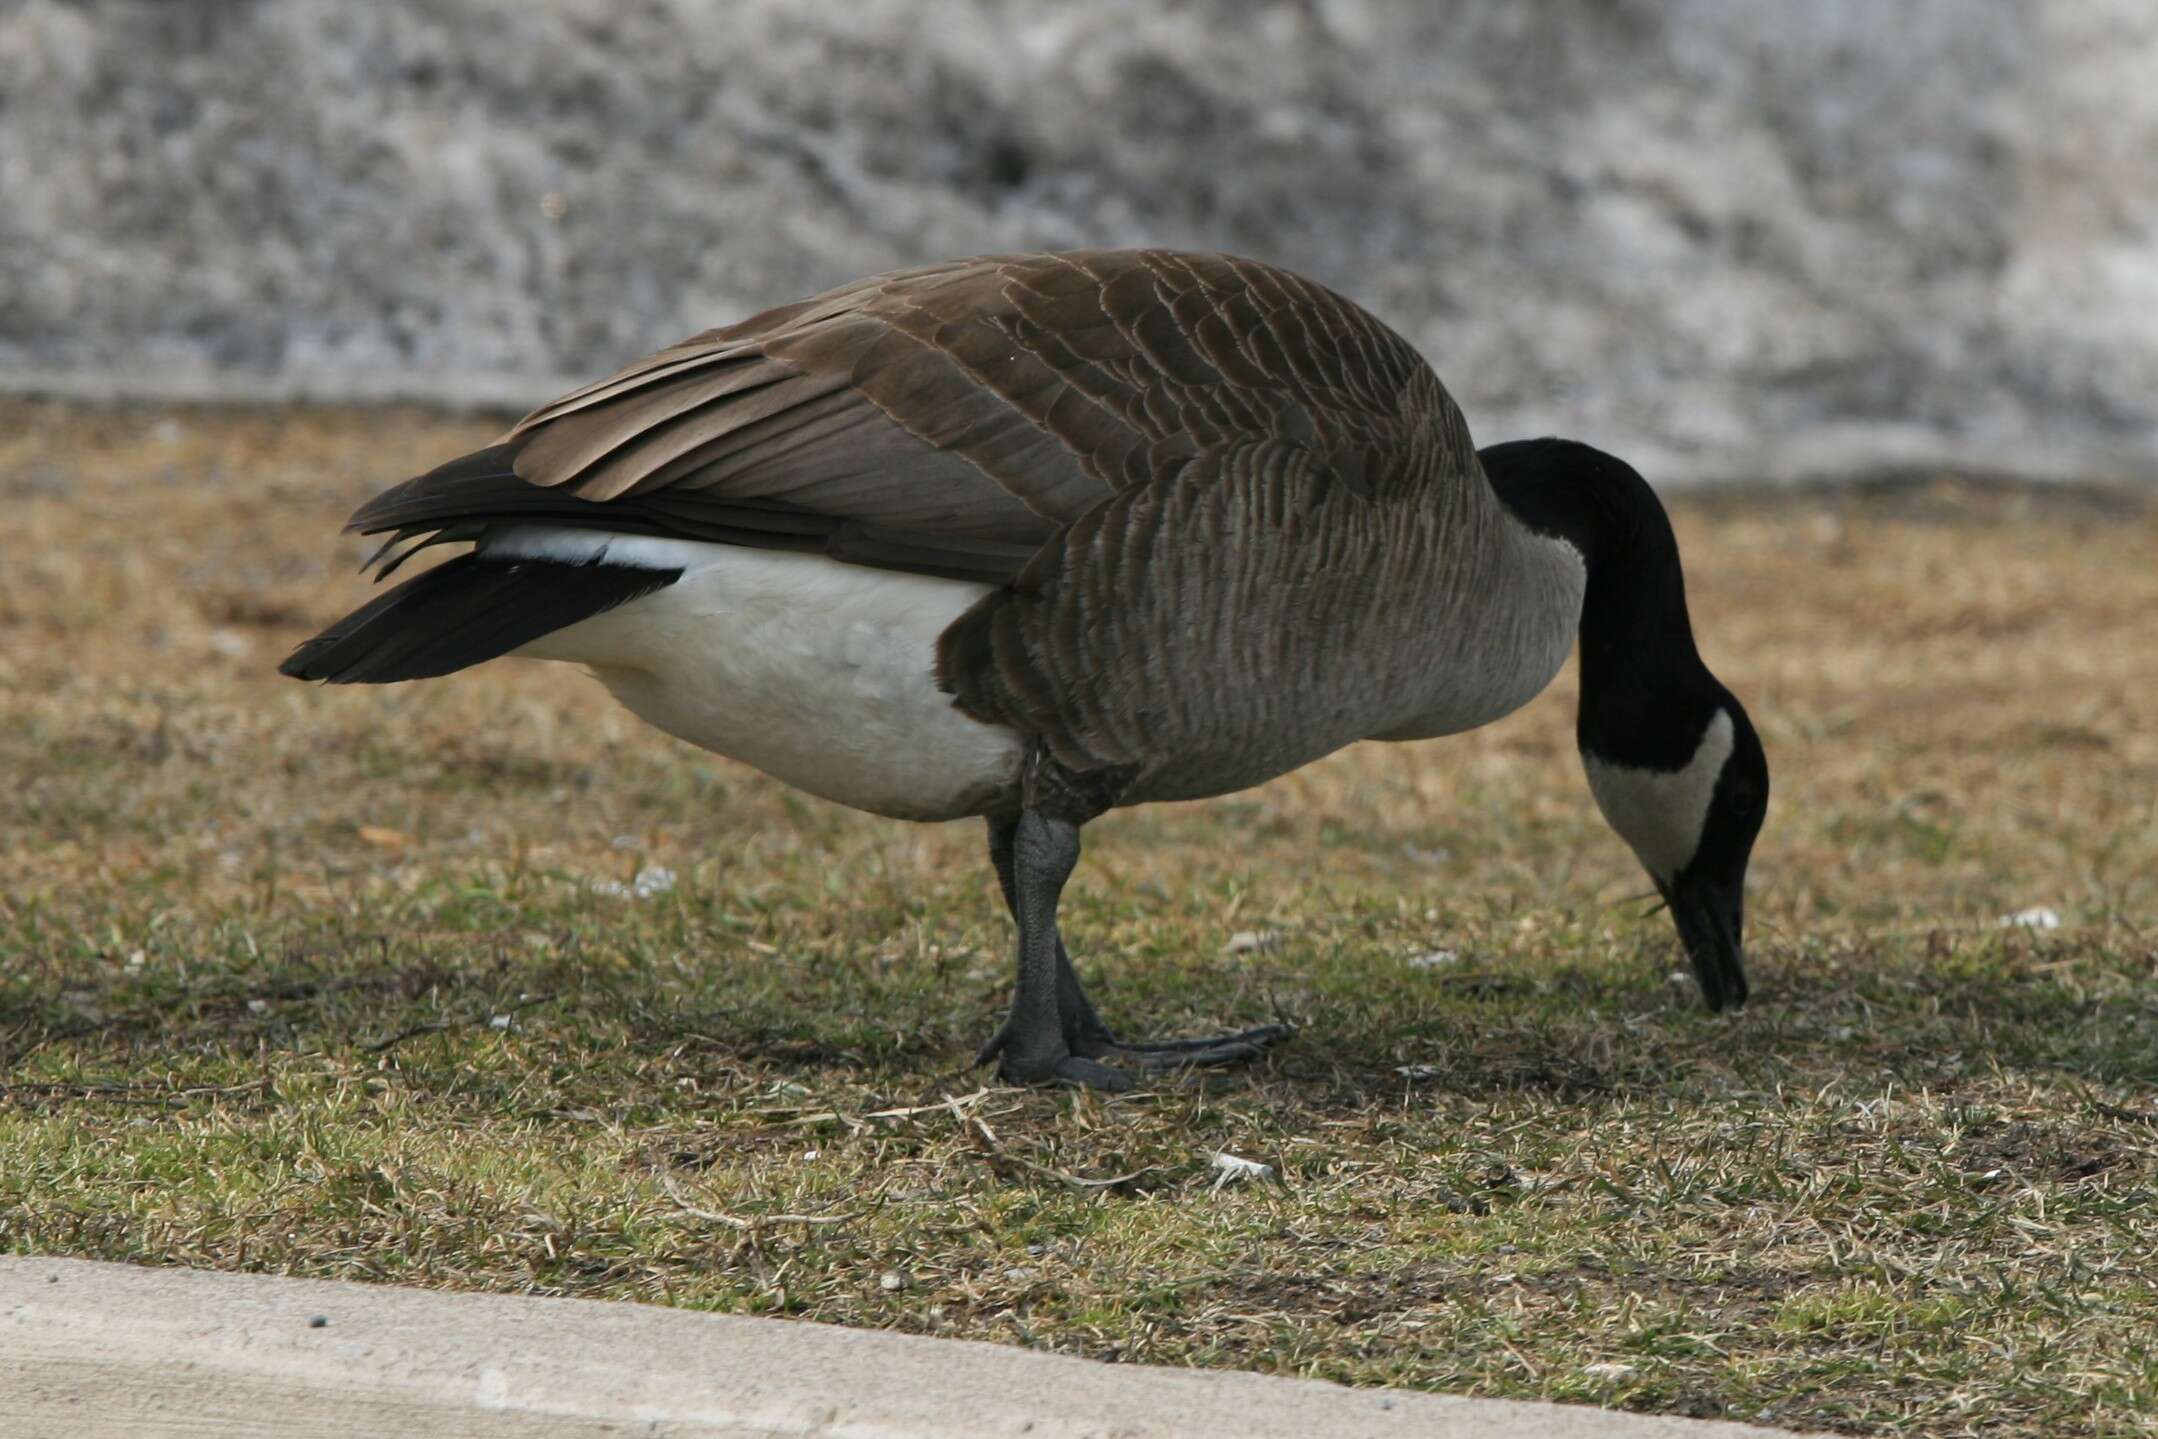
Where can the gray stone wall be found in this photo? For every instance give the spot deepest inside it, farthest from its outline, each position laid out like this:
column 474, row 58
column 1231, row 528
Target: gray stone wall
column 1736, row 239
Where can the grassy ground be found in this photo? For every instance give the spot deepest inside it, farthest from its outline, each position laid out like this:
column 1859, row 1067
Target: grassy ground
column 343, row 983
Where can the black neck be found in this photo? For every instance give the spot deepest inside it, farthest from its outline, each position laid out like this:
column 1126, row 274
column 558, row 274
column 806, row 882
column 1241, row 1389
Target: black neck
column 1638, row 661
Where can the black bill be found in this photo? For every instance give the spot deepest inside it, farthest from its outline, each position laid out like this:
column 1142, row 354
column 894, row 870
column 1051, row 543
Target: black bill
column 1711, row 917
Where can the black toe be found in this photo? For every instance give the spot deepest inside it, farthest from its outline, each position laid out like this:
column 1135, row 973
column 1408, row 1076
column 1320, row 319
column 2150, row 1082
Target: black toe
column 1064, row 1069
column 1247, row 1042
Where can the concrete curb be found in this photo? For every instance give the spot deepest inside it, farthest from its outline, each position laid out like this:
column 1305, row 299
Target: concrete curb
column 91, row 1350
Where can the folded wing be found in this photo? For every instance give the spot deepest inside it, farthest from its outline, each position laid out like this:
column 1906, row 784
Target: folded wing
column 947, row 420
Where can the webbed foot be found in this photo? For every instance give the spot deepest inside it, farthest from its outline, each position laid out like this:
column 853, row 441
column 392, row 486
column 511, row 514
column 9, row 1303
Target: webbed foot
column 1203, row 1051
column 1049, row 1066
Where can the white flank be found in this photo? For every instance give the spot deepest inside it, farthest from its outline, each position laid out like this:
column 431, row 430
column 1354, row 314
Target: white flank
column 1660, row 813
column 818, row 673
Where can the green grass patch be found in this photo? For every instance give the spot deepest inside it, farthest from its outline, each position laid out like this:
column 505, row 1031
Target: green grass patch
column 342, row 984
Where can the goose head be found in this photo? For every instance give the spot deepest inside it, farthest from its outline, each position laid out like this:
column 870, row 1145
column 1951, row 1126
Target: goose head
column 1671, row 756
column 1689, row 798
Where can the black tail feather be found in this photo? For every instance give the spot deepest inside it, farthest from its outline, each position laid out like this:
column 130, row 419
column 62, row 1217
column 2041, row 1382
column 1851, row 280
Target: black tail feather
column 471, row 609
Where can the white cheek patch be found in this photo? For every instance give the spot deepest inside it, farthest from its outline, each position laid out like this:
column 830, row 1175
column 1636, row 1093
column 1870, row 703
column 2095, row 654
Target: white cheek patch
column 1661, row 812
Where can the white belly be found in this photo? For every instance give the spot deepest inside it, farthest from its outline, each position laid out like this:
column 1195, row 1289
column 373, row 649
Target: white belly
column 818, row 673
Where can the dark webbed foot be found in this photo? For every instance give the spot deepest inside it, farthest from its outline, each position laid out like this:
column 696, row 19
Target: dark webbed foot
column 1078, row 1061
column 1202, row 1051
column 1050, row 1067
column 1064, row 1063
column 1053, row 1034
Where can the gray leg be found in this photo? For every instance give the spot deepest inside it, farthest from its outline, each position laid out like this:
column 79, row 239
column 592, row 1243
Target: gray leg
column 1082, row 1029
column 1032, row 1044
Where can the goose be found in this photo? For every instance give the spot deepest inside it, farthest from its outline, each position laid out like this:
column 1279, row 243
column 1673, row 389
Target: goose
column 1031, row 537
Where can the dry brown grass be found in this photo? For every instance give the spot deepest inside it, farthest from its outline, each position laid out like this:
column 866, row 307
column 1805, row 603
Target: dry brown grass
column 319, row 981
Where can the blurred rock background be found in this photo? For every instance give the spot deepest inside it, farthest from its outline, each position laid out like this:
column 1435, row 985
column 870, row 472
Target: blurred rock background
column 1734, row 239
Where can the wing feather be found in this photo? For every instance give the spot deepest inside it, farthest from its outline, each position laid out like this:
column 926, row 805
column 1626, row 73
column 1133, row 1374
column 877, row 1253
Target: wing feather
column 957, row 418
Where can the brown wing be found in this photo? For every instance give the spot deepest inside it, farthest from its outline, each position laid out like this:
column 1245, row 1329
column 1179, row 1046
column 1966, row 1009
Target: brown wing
column 954, row 419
